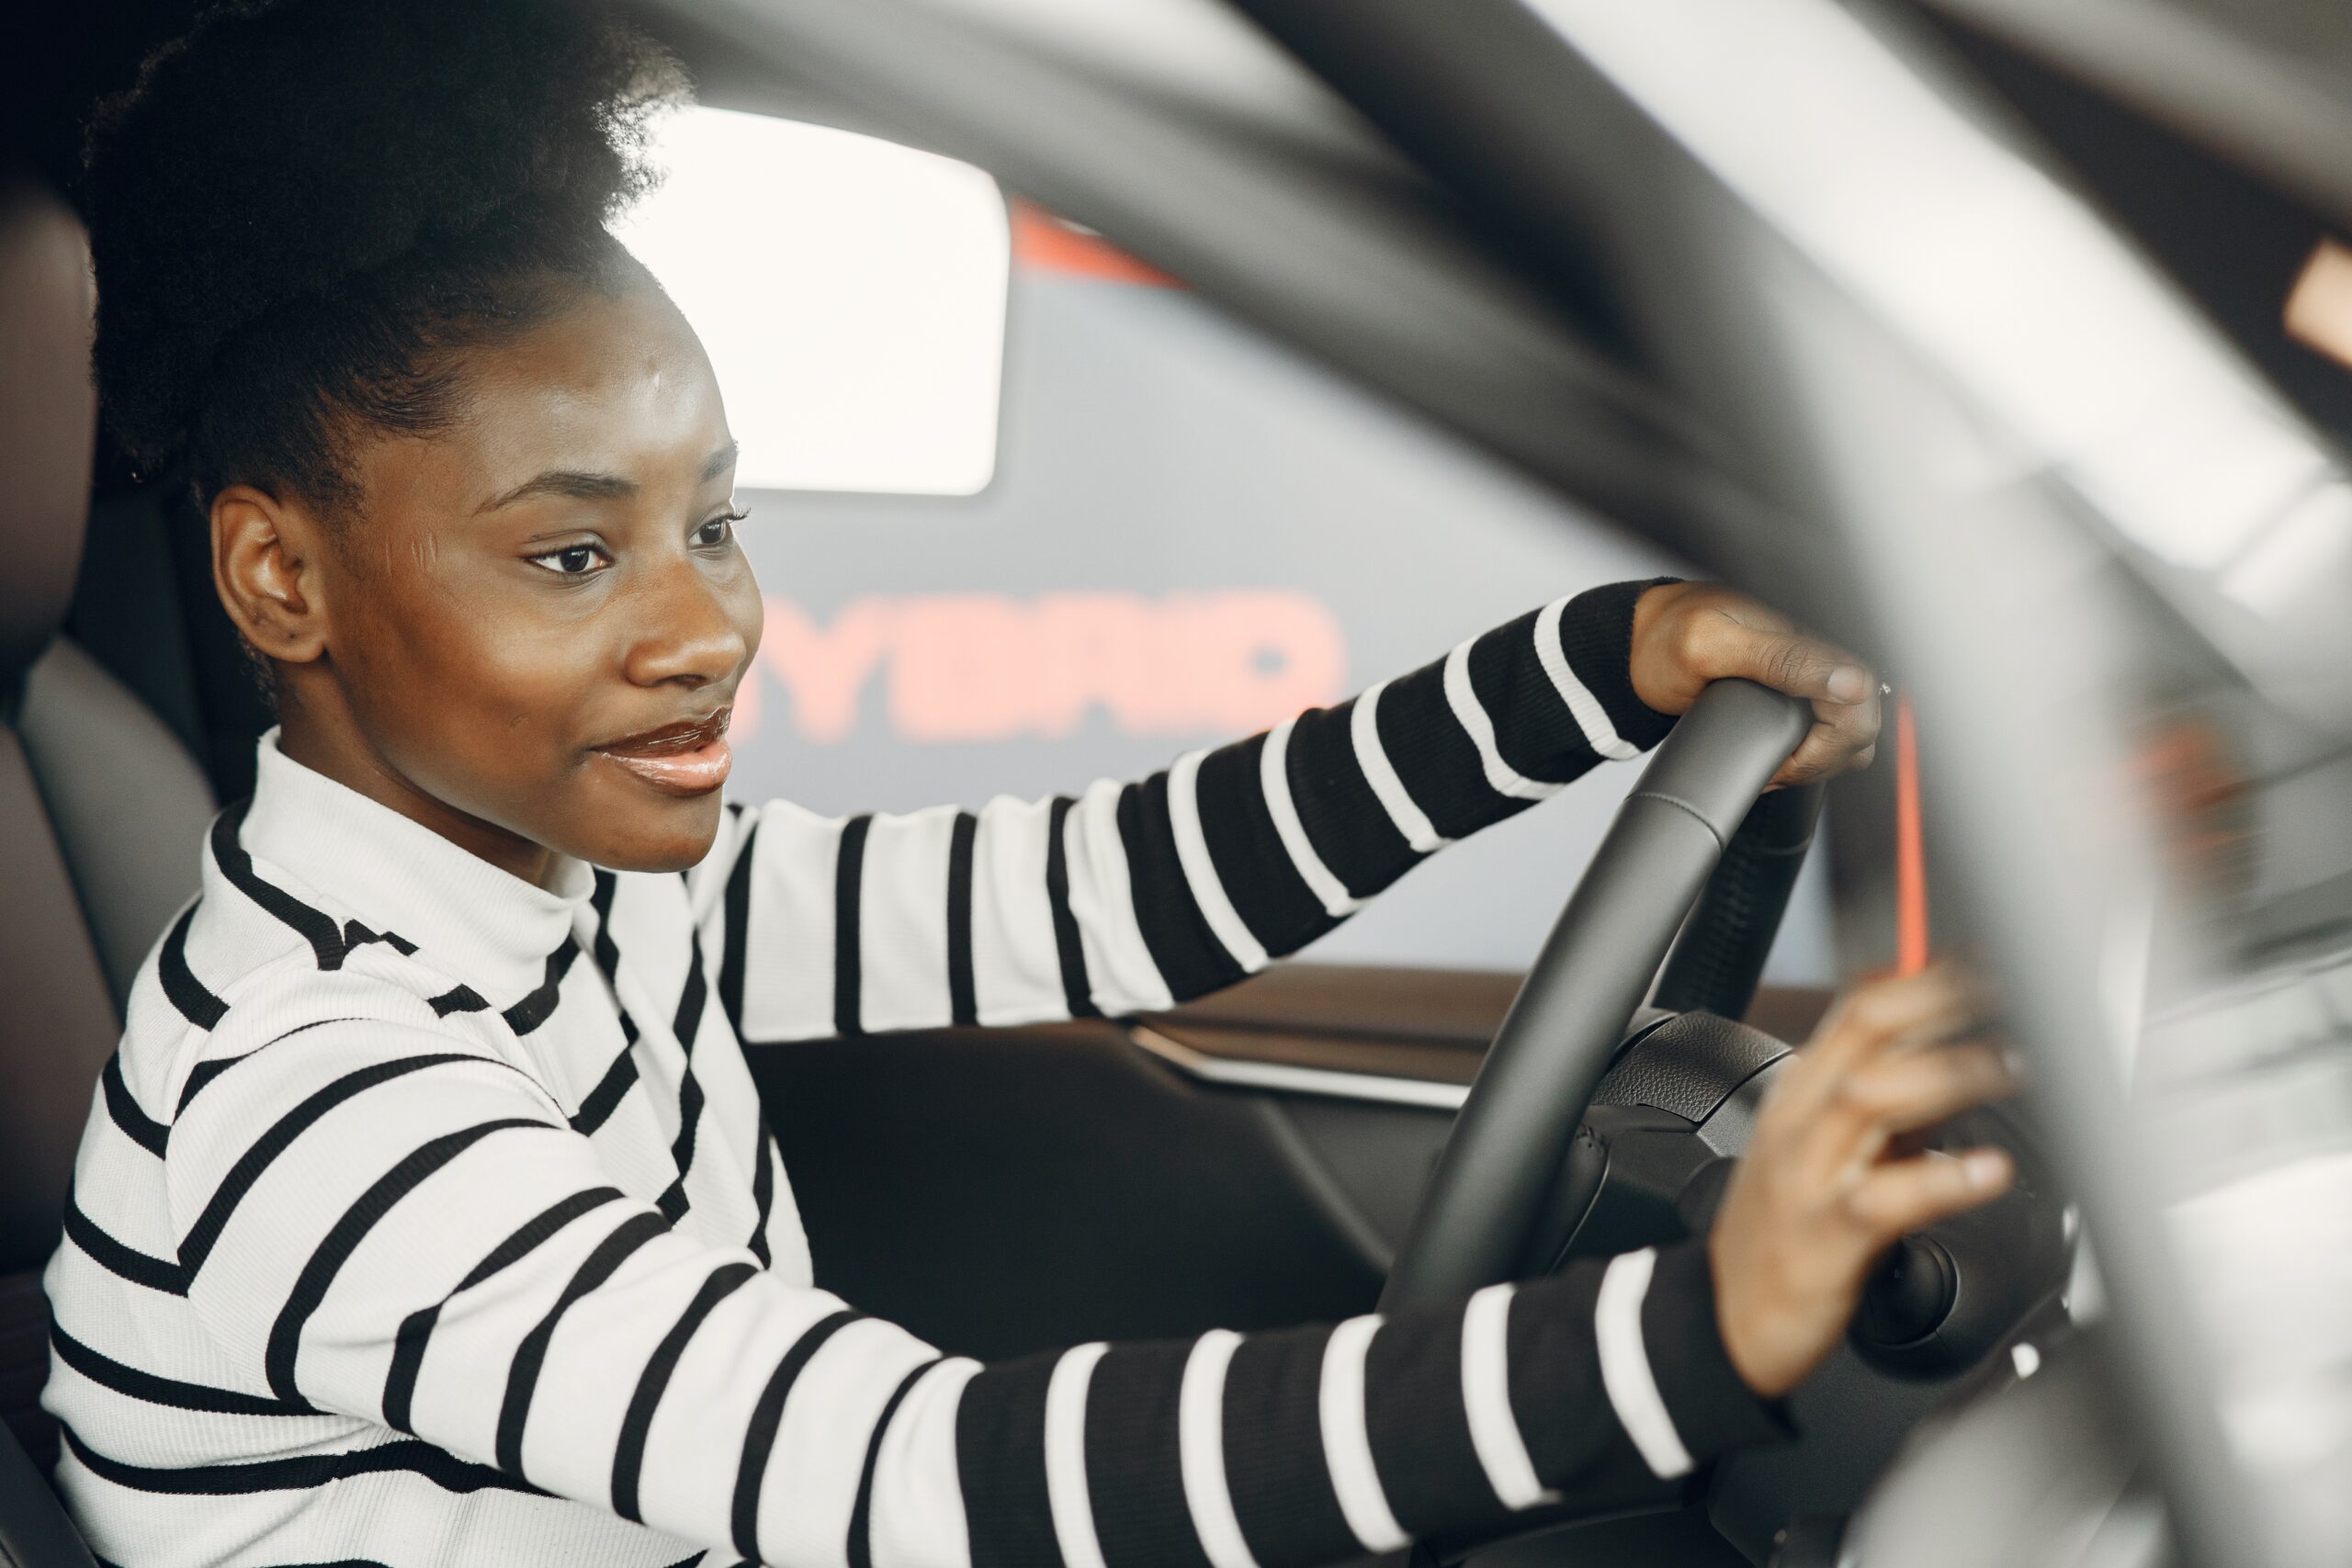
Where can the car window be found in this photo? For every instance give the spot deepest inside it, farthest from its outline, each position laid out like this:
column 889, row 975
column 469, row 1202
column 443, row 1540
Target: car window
column 850, row 294
column 1179, row 531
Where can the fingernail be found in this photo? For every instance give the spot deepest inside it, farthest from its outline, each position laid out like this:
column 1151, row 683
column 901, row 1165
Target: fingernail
column 1849, row 684
column 1986, row 1168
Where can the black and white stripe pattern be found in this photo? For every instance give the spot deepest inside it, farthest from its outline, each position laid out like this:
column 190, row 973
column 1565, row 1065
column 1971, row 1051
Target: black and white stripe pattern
column 1132, row 897
column 1317, row 1444
column 400, row 1235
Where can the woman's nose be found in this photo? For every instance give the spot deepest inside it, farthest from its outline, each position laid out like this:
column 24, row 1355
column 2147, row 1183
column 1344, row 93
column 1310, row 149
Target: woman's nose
column 688, row 637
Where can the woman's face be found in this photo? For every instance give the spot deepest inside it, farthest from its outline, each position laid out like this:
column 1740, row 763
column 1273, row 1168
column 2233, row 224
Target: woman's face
column 531, row 641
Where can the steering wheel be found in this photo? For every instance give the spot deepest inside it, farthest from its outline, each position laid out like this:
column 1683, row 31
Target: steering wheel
column 1486, row 1196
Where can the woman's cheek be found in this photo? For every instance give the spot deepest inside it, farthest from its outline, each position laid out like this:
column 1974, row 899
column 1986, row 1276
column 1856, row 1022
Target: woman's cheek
column 504, row 685
column 547, row 680
column 746, row 608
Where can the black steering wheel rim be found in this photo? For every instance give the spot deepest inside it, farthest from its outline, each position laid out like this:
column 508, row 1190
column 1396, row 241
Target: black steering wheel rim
column 1487, row 1196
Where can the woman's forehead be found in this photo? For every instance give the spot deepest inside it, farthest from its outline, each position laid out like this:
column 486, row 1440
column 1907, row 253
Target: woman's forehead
column 629, row 355
column 616, row 387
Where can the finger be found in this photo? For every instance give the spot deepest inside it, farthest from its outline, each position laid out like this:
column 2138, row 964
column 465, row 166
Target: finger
column 1874, row 1107
column 1792, row 662
column 1844, row 736
column 1904, row 1094
column 1939, row 1000
column 1881, row 1017
column 1912, row 1195
column 1896, row 1012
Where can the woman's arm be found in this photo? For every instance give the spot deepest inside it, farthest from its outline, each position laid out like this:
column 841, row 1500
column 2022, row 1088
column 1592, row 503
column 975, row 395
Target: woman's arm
column 1132, row 897
column 379, row 1220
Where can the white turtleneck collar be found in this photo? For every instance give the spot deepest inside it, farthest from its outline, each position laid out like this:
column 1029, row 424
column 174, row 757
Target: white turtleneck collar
column 487, row 926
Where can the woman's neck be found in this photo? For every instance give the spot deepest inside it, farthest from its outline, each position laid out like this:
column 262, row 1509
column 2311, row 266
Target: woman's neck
column 325, row 737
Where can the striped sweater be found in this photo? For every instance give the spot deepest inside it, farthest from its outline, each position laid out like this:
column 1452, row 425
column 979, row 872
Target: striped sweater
column 429, row 1217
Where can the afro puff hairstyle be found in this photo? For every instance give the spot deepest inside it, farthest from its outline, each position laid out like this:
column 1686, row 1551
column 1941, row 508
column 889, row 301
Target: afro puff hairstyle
column 304, row 209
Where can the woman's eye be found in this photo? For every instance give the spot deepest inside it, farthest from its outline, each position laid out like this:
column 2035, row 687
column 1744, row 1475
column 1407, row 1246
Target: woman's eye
column 717, row 531
column 572, row 560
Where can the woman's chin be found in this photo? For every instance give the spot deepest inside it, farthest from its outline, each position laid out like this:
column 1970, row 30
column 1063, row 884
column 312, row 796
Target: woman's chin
column 674, row 837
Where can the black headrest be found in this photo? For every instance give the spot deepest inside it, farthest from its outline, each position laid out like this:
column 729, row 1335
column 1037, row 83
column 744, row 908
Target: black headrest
column 48, row 416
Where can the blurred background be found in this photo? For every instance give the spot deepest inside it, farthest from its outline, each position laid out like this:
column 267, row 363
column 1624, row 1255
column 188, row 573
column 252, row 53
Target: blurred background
column 1027, row 511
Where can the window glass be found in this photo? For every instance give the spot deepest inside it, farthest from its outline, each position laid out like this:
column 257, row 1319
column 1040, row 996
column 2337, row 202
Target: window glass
column 850, row 294
column 1185, row 533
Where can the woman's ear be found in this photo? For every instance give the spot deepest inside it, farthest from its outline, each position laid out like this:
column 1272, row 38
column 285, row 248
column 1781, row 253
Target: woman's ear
column 266, row 555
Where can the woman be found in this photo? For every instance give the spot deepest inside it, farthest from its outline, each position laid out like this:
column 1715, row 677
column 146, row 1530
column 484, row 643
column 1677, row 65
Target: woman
column 399, row 1234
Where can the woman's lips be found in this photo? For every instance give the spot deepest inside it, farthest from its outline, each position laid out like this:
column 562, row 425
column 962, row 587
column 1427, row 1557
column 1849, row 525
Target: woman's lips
column 679, row 759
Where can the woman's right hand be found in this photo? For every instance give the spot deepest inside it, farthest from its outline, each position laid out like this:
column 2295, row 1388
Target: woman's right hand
column 1825, row 1186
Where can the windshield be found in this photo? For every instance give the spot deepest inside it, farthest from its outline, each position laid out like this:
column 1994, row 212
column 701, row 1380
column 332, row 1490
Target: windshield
column 2114, row 563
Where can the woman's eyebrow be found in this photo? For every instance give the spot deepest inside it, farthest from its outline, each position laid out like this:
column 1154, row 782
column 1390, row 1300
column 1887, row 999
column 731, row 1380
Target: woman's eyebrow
column 575, row 484
column 571, row 483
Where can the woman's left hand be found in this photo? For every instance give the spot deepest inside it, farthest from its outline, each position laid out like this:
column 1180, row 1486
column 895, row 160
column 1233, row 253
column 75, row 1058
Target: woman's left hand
column 1687, row 634
column 1829, row 1179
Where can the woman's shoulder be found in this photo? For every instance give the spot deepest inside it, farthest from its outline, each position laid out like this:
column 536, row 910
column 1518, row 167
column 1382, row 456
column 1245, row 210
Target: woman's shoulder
column 179, row 1031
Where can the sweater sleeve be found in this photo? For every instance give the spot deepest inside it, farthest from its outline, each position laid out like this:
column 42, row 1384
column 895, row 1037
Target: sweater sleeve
column 1130, row 897
column 377, row 1221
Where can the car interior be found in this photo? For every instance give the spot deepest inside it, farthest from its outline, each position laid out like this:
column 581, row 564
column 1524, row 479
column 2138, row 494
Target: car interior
column 1493, row 230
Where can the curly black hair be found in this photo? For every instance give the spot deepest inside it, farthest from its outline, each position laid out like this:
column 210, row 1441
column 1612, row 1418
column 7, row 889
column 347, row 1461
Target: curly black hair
column 304, row 209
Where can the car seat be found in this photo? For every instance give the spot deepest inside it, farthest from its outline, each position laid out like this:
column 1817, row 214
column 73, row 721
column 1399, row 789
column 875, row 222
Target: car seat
column 102, row 811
